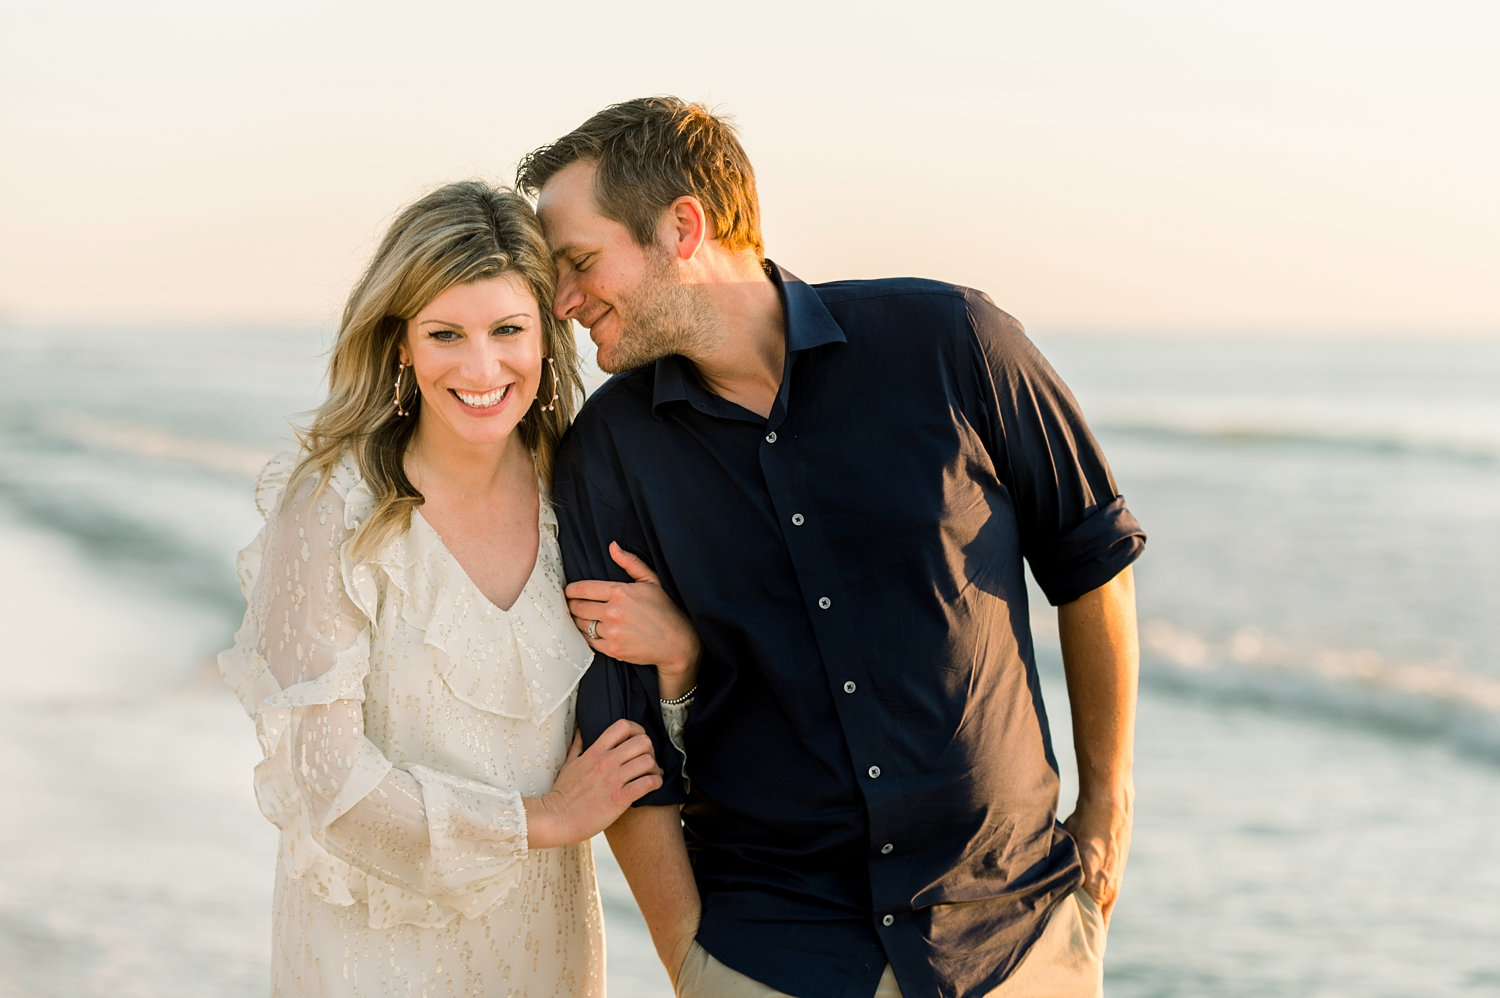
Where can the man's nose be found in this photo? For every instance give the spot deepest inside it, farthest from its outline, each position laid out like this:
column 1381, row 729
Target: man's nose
column 568, row 297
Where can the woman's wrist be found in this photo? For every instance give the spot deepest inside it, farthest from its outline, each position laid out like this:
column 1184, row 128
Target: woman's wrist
column 680, row 701
column 674, row 679
column 545, row 827
column 674, row 687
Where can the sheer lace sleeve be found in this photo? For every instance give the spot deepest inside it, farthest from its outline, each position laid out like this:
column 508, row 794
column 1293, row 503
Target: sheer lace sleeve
column 417, row 845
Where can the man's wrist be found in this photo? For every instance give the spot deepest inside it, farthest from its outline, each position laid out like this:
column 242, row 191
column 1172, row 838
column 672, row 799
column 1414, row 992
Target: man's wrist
column 676, row 957
column 678, row 942
column 1117, row 794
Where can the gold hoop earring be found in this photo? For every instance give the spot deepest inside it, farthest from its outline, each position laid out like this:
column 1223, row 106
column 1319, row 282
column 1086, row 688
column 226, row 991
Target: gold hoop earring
column 400, row 370
column 553, row 404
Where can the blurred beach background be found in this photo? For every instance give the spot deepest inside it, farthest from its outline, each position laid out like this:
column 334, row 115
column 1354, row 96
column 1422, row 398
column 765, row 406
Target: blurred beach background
column 1260, row 242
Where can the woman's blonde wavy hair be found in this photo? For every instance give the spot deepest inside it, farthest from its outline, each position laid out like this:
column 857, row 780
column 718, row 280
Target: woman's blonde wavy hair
column 458, row 234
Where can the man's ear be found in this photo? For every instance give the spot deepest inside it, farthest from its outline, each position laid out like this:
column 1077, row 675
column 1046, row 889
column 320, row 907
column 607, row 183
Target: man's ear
column 684, row 227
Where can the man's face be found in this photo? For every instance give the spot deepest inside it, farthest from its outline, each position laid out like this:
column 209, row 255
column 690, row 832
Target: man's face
column 629, row 297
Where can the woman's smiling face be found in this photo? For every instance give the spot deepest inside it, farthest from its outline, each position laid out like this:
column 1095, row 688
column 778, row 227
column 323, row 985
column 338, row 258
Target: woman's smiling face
column 476, row 351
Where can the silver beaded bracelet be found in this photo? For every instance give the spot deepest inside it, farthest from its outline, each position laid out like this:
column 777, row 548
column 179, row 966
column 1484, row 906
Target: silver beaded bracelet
column 679, row 701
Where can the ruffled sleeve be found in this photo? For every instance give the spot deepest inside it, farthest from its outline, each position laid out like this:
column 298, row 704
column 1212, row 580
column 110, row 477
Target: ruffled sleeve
column 417, row 845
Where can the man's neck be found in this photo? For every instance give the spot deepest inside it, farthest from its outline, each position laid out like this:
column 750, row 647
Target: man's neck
column 743, row 364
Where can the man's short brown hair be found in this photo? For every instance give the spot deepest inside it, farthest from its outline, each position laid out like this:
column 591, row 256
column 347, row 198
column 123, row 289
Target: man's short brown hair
column 651, row 151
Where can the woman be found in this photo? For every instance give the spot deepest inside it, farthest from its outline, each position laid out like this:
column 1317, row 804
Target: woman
column 407, row 653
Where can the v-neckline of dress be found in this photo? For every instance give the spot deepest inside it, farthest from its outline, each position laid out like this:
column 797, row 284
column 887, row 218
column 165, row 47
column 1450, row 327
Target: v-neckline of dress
column 536, row 563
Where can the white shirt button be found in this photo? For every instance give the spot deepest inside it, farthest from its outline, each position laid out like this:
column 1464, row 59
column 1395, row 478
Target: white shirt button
column 887, row 849
column 849, row 686
column 874, row 772
column 888, row 920
column 797, row 520
column 771, row 437
column 824, row 602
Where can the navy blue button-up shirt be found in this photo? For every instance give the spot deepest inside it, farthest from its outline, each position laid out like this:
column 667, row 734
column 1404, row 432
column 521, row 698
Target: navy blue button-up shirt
column 870, row 773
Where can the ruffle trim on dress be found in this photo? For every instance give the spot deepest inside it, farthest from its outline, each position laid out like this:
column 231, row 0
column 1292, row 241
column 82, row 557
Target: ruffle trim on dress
column 534, row 656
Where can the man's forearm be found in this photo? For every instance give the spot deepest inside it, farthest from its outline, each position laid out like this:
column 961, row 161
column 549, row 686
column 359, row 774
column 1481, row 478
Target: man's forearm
column 1101, row 659
column 648, row 845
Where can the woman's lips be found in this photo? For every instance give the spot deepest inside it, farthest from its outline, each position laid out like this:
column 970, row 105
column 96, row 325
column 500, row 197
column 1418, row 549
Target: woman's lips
column 486, row 401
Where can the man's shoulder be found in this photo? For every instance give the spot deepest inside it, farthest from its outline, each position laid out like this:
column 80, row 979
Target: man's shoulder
column 905, row 295
column 893, row 310
column 622, row 401
column 629, row 392
column 852, row 291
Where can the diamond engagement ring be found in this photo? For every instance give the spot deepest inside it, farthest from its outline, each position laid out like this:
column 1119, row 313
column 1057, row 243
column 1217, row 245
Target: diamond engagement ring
column 593, row 630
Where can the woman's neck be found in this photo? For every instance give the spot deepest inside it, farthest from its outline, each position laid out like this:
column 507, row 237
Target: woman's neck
column 462, row 471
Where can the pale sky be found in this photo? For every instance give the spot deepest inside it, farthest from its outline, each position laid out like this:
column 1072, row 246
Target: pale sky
column 1188, row 165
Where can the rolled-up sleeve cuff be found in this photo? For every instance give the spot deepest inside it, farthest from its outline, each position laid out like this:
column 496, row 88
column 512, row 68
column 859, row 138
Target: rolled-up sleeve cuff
column 1090, row 554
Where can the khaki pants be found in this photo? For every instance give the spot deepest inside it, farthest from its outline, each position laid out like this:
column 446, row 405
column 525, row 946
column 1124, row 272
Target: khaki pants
column 1066, row 962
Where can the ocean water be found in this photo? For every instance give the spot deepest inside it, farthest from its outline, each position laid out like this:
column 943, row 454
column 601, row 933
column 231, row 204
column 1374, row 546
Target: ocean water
column 1318, row 758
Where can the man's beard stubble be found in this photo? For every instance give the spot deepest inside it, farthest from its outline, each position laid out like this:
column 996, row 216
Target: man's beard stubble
column 660, row 317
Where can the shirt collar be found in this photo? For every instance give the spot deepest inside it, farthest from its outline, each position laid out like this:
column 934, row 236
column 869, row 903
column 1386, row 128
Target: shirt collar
column 808, row 324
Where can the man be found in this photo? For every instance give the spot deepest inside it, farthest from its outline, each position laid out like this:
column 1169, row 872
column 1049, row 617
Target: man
column 838, row 484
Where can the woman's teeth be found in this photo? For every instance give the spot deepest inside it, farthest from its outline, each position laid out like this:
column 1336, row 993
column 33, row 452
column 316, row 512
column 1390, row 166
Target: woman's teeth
column 482, row 401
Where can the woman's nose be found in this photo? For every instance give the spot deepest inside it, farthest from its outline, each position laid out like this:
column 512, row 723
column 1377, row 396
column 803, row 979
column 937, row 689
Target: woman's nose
column 484, row 356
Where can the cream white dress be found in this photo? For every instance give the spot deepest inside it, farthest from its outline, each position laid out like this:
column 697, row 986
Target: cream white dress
column 402, row 718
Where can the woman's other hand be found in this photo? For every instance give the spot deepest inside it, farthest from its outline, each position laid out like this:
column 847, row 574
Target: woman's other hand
column 637, row 622
column 593, row 788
